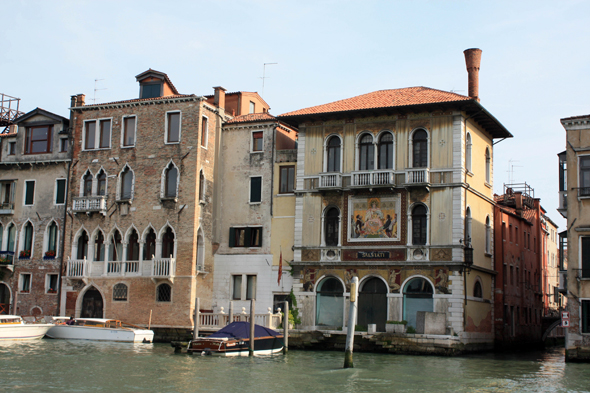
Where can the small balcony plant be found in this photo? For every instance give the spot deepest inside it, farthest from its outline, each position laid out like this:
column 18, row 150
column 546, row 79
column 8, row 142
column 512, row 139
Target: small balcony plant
column 49, row 254
column 5, row 261
column 25, row 254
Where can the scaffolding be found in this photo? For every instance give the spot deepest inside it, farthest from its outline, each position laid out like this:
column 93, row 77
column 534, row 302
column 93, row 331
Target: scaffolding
column 9, row 111
column 528, row 194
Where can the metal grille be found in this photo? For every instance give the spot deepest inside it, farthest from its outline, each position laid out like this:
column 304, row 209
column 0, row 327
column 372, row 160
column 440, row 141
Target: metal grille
column 164, row 293
column 120, row 292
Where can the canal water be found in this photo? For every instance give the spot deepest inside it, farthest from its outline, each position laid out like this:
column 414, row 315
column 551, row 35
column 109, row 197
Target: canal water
column 86, row 366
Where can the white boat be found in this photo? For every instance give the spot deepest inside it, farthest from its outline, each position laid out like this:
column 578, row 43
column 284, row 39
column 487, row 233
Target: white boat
column 99, row 329
column 12, row 327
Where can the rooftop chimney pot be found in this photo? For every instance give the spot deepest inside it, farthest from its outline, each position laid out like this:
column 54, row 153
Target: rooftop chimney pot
column 472, row 60
column 219, row 99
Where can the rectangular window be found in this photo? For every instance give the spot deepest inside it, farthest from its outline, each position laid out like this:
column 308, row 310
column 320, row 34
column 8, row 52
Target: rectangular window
column 38, row 140
column 173, row 131
column 105, row 134
column 51, row 283
column 585, row 265
column 257, row 141
column 7, row 194
column 245, row 237
column 29, row 192
column 585, row 176
column 151, row 90
column 256, row 189
column 25, row 282
column 204, row 131
column 60, row 191
column 237, row 287
column 63, row 145
column 585, row 317
column 250, row 287
column 11, row 148
column 241, row 292
column 287, row 179
column 129, row 131
column 252, row 107
column 89, row 135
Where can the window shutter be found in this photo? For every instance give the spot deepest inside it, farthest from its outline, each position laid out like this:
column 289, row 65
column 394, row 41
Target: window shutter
column 247, row 237
column 232, row 237
column 30, row 193
column 255, row 189
column 586, row 257
column 260, row 234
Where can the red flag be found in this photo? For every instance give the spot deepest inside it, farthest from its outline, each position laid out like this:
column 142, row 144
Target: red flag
column 280, row 268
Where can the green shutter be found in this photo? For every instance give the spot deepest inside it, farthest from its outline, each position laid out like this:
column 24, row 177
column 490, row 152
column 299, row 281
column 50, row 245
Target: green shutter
column 247, row 237
column 29, row 192
column 60, row 195
column 232, row 237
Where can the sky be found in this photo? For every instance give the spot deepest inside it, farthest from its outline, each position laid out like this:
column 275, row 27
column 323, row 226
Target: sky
column 534, row 69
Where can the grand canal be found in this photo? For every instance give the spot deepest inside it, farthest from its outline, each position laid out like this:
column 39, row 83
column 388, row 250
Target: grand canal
column 80, row 366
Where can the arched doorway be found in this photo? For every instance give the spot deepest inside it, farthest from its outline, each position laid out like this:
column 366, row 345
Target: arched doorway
column 417, row 297
column 4, row 299
column 372, row 307
column 330, row 303
column 92, row 304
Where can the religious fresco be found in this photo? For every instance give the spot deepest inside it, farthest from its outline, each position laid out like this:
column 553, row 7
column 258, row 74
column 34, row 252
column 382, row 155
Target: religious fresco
column 374, row 219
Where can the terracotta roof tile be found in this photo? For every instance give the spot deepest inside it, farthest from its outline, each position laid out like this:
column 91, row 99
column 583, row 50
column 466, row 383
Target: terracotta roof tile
column 251, row 117
column 384, row 99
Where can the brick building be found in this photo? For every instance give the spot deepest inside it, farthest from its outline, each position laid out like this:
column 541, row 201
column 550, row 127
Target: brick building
column 34, row 164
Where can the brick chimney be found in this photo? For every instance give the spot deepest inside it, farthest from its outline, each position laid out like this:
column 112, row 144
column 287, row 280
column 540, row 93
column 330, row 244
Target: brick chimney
column 472, row 60
column 78, row 100
column 219, row 99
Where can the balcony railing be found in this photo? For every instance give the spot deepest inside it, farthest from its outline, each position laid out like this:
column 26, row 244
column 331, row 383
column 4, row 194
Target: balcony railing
column 89, row 204
column 215, row 321
column 373, row 178
column 160, row 268
column 330, row 180
column 7, row 208
column 416, row 176
column 7, row 259
column 119, row 268
column 77, row 268
column 164, row 268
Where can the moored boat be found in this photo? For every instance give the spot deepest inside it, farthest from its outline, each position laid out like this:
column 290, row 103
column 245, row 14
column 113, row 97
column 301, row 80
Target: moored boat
column 100, row 329
column 12, row 327
column 234, row 340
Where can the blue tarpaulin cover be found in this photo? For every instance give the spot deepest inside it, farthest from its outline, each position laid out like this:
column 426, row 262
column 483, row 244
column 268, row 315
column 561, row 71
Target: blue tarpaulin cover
column 242, row 330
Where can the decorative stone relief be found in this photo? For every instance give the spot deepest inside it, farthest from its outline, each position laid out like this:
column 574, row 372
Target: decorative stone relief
column 441, row 254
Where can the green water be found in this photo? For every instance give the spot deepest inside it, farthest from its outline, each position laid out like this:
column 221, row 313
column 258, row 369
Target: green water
column 85, row 366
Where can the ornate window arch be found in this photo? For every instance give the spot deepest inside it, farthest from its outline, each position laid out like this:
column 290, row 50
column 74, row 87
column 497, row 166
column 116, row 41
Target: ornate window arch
column 333, row 154
column 115, row 243
column 27, row 238
column 365, row 152
column 170, row 181
column 149, row 243
column 11, row 233
column 81, row 244
column 385, row 150
column 167, row 237
column 86, row 183
column 419, row 222
column 200, row 249
column 132, row 242
column 98, row 241
column 419, row 148
column 126, row 184
column 102, row 182
column 51, row 238
column 477, row 289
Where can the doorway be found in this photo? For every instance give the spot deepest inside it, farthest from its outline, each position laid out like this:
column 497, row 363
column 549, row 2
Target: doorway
column 92, row 304
column 372, row 307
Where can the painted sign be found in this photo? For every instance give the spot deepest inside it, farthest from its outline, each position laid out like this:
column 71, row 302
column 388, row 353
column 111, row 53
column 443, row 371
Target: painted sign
column 372, row 255
column 374, row 218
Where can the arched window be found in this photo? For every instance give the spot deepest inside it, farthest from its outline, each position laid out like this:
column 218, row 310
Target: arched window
column 386, row 151
column 468, row 152
column 120, row 293
column 366, row 153
column 83, row 245
column 330, row 302
column 149, row 247
column 87, row 190
column 331, row 219
column 52, row 237
column 477, row 291
column 488, row 165
column 164, row 293
column 126, row 184
column 28, row 238
column 133, row 246
column 171, row 180
column 488, row 235
column 420, row 149
column 333, row 154
column 468, row 227
column 419, row 225
column 417, row 297
column 116, row 248
column 99, row 247
column 101, row 183
column 168, row 244
column 202, row 186
column 200, row 250
column 11, row 238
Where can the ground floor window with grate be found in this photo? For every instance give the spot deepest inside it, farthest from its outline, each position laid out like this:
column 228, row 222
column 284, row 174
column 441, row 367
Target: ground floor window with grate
column 164, row 293
column 120, row 293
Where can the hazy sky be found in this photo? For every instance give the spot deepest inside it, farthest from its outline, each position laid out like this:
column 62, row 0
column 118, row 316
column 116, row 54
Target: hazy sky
column 535, row 65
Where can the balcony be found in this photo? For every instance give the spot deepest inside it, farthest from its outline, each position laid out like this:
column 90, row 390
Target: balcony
column 563, row 281
column 119, row 268
column 7, row 260
column 6, row 208
column 157, row 268
column 418, row 176
column 330, row 180
column 562, row 209
column 90, row 204
column 373, row 178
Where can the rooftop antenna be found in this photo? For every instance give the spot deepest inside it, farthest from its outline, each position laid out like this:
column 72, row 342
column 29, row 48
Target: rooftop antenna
column 264, row 76
column 510, row 170
column 95, row 90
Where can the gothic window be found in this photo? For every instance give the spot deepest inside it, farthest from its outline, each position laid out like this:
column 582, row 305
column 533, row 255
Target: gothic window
column 366, row 153
column 126, row 184
column 99, row 246
column 101, row 183
column 420, row 149
column 171, row 181
column 133, row 246
column 168, row 243
column 83, row 245
column 116, row 248
column 87, row 190
column 149, row 247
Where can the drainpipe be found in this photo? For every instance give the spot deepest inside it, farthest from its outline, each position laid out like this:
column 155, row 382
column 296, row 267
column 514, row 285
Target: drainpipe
column 272, row 168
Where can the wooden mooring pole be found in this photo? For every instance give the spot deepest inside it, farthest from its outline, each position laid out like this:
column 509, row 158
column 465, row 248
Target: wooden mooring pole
column 196, row 320
column 252, row 324
column 286, row 328
column 351, row 323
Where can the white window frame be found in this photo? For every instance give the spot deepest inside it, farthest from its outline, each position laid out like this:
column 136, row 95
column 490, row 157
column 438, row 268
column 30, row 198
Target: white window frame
column 25, row 192
column 250, row 190
column 21, row 282
column 46, row 239
column 252, row 151
column 123, row 146
column 120, row 184
column 166, row 127
column 48, row 283
column 95, row 182
column 468, row 153
column 326, row 152
column 92, row 189
column 377, row 152
column 65, row 192
column 204, row 133
column 96, row 135
column 243, row 286
column 411, row 147
column 21, row 239
column 163, row 181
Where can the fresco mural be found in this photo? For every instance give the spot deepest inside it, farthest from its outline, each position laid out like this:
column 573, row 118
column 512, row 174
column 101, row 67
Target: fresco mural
column 374, row 218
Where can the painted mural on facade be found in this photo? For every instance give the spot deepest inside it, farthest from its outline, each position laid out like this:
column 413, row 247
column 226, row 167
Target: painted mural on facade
column 374, row 218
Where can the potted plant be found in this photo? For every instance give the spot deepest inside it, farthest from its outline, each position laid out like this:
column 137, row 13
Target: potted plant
column 24, row 254
column 49, row 254
column 396, row 326
column 4, row 261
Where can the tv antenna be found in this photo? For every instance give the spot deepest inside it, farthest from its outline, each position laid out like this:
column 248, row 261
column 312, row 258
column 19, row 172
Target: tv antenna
column 510, row 170
column 95, row 90
column 264, row 76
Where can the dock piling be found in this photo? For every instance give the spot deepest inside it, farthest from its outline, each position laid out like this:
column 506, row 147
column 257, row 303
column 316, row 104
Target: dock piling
column 252, row 324
column 351, row 323
column 286, row 328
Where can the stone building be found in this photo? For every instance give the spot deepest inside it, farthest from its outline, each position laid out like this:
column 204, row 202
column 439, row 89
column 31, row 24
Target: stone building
column 141, row 227
column 395, row 187
column 554, row 301
column 257, row 168
column 575, row 206
column 34, row 164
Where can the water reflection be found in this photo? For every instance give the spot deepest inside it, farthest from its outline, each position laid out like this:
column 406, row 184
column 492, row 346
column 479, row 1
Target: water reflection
column 86, row 366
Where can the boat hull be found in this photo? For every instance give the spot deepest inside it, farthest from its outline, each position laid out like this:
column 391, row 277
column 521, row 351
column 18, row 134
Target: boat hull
column 74, row 332
column 233, row 347
column 23, row 332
